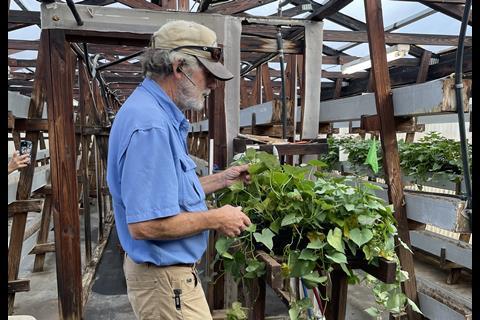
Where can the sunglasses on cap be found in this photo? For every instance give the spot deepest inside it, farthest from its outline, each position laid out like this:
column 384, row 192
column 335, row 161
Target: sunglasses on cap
column 215, row 52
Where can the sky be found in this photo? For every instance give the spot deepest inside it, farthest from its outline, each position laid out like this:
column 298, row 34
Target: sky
column 393, row 11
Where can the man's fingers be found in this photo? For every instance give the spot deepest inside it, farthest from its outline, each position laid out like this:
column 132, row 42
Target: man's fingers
column 243, row 167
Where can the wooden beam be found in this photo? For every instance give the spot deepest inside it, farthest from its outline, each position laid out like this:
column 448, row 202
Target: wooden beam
column 391, row 159
column 19, row 285
column 452, row 10
column 236, row 6
column 329, row 8
column 43, row 248
column 395, row 38
column 19, row 206
column 408, row 75
column 64, row 185
column 24, row 17
column 424, row 65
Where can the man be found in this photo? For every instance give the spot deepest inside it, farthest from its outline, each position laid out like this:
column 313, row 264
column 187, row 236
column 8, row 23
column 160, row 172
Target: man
column 158, row 200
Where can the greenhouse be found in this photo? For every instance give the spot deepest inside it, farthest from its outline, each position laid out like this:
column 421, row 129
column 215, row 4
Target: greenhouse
column 240, row 159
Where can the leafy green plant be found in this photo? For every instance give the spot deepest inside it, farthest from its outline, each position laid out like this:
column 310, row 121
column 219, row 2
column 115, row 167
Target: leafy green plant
column 431, row 157
column 313, row 221
column 331, row 157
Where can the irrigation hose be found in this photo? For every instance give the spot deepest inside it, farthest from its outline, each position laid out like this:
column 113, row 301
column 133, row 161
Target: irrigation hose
column 459, row 102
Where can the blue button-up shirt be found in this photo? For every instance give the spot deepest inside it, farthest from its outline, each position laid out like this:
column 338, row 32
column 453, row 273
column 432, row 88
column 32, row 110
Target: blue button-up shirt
column 151, row 176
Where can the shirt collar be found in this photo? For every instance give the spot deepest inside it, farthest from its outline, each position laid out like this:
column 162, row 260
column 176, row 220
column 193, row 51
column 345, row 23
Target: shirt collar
column 164, row 101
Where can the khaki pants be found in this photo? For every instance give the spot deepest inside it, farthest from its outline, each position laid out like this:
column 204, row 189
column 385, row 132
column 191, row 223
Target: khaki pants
column 165, row 293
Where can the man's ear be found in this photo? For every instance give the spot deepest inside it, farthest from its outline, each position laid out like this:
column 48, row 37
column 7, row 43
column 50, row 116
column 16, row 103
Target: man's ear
column 177, row 69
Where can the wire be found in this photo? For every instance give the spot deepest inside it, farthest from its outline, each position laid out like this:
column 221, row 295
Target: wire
column 459, row 102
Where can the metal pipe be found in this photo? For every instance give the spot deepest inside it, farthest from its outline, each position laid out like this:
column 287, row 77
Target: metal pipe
column 106, row 65
column 459, row 102
column 71, row 5
column 282, row 72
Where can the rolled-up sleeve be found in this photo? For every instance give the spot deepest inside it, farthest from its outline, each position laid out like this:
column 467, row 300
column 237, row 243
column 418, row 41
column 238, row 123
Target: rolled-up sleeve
column 149, row 183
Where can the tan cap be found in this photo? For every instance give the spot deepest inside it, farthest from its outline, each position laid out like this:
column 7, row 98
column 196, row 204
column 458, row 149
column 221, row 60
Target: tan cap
column 180, row 33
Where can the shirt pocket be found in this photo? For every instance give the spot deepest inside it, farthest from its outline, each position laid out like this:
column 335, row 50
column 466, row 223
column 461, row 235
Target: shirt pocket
column 192, row 194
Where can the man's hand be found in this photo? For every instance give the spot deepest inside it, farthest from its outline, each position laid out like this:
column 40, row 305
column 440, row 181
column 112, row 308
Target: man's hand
column 234, row 174
column 231, row 221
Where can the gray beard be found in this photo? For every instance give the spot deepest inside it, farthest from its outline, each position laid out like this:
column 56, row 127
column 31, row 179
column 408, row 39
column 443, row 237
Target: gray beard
column 184, row 98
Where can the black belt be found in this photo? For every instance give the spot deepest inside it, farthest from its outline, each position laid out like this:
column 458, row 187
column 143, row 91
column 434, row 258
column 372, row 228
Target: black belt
column 190, row 265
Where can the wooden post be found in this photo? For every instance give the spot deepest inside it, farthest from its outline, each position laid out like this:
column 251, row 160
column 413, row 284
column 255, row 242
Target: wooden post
column 391, row 159
column 178, row 5
column 421, row 77
column 337, row 305
column 44, row 230
column 84, row 105
column 217, row 131
column 267, row 84
column 59, row 88
column 26, row 174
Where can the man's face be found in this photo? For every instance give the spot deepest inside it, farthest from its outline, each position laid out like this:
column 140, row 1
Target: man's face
column 191, row 94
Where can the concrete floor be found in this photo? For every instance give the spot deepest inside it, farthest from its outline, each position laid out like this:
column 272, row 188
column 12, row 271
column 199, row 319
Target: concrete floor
column 108, row 299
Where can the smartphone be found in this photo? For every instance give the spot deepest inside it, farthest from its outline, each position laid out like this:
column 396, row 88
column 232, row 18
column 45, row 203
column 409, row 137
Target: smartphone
column 26, row 147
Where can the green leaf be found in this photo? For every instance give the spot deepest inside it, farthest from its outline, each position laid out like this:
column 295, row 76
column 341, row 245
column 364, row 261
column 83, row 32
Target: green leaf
column 360, row 236
column 251, row 228
column 317, row 163
column 349, row 206
column 313, row 279
column 345, row 269
column 316, row 244
column 293, row 313
column 275, row 226
column 414, row 306
column 298, row 267
column 365, row 220
column 227, row 255
column 335, row 239
column 404, row 245
column 237, row 312
column 290, row 219
column 223, row 244
column 396, row 301
column 265, row 237
column 254, row 269
column 402, row 276
column 250, row 153
column 352, row 247
column 372, row 186
column 237, row 186
column 308, row 254
column 256, row 168
column 279, row 178
column 337, row 257
column 374, row 312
